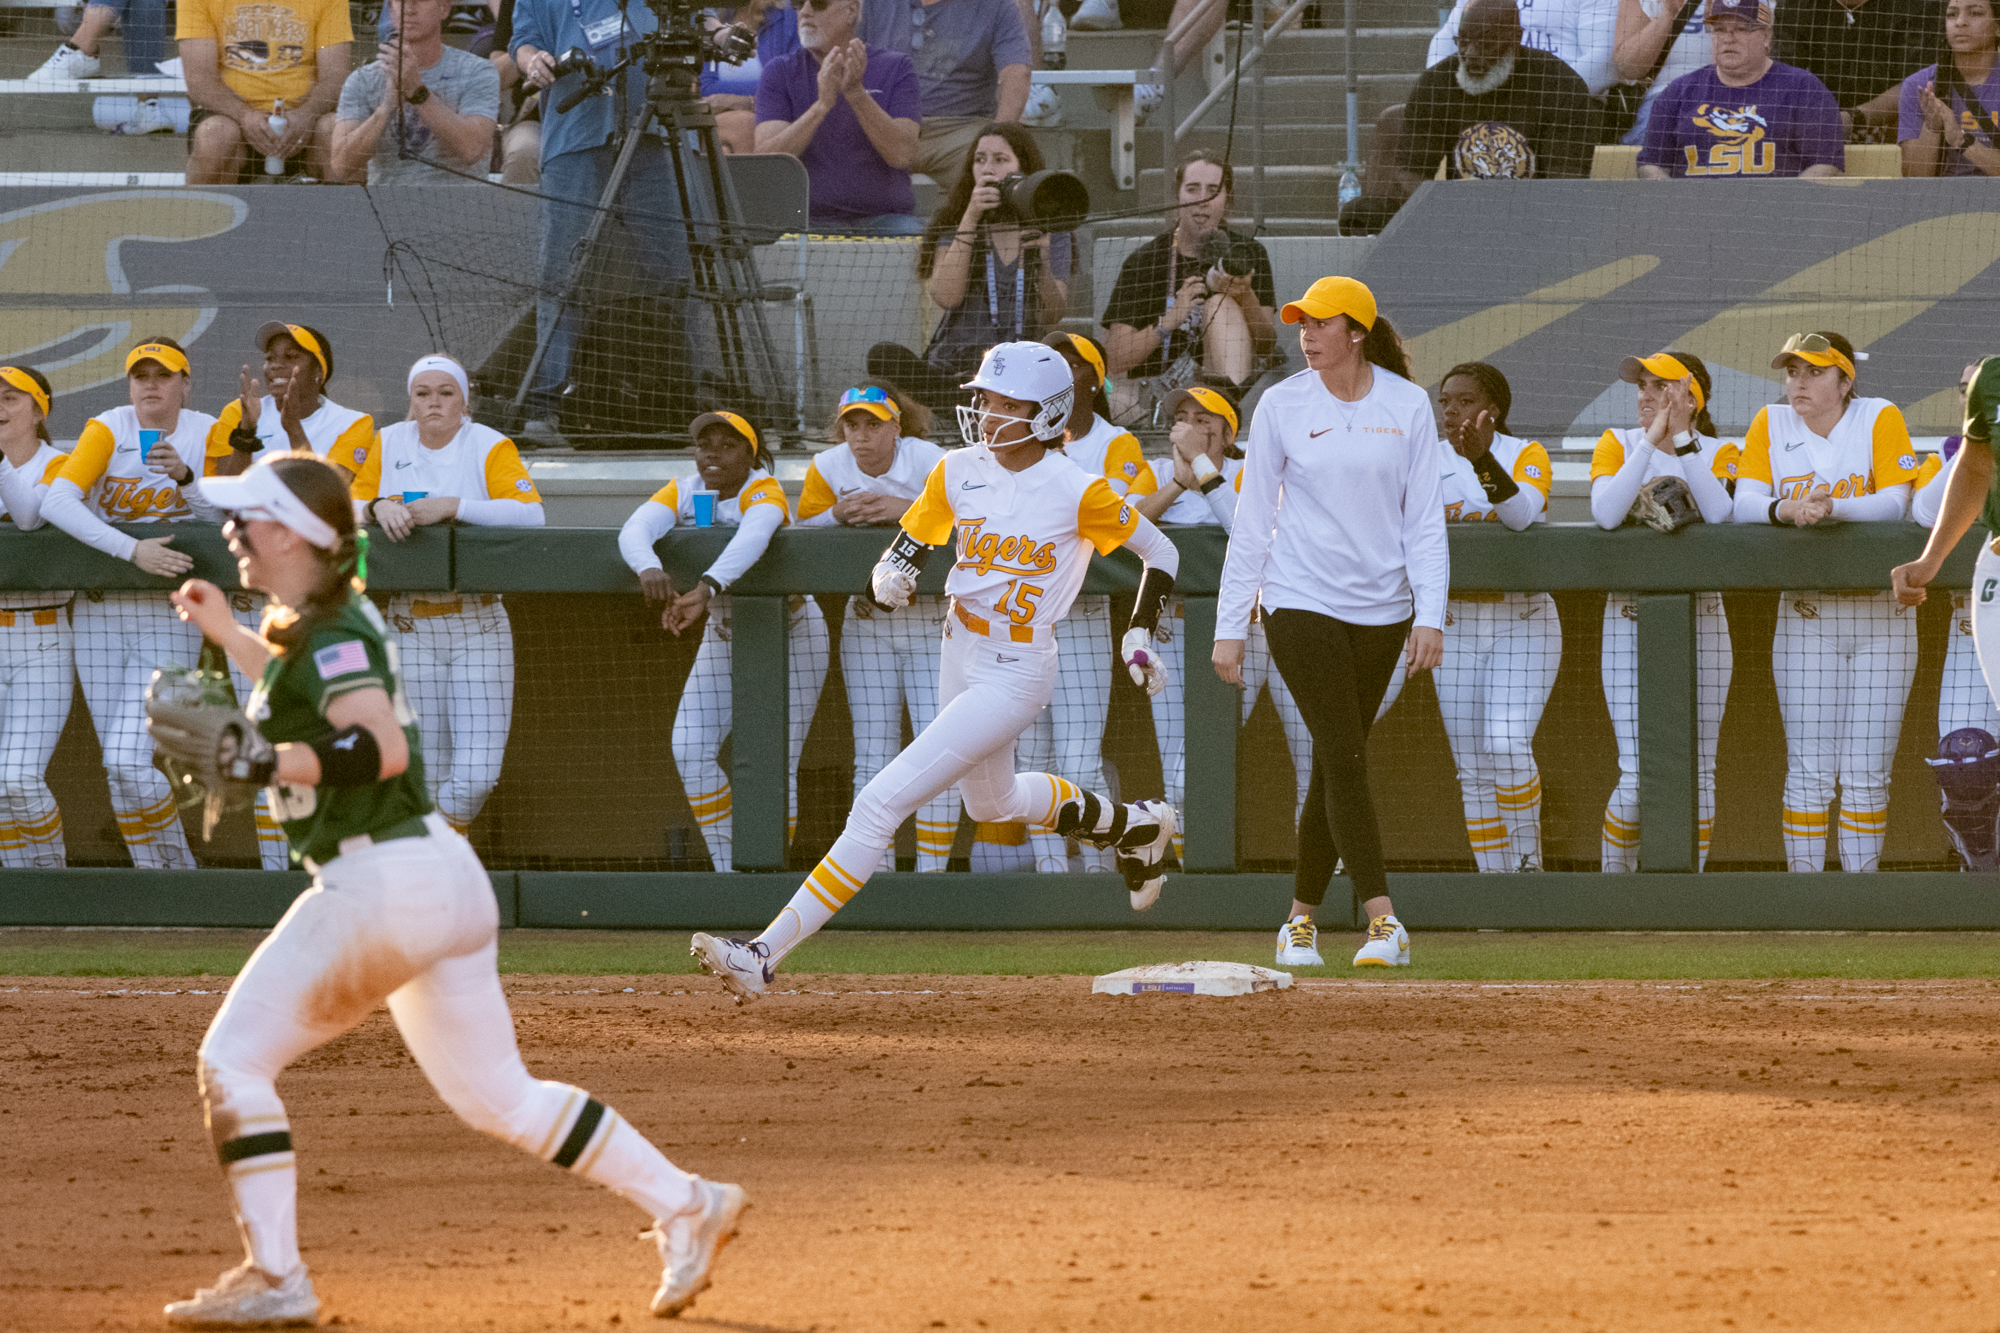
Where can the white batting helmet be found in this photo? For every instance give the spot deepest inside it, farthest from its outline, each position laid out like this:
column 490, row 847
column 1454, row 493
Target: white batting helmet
column 1031, row 373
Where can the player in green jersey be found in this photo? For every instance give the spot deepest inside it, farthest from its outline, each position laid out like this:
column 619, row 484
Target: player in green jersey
column 400, row 910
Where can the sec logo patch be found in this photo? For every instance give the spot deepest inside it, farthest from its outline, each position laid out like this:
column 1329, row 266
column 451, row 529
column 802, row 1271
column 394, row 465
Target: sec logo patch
column 1131, row 469
column 361, row 453
column 1908, row 462
column 1124, row 515
column 1532, row 470
column 524, row 485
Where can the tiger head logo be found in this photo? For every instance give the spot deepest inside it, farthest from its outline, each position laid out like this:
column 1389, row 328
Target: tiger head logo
column 1493, row 150
column 1739, row 123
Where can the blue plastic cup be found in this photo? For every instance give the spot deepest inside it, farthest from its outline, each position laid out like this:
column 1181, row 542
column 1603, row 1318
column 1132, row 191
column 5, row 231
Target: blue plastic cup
column 704, row 508
column 409, row 496
column 147, row 439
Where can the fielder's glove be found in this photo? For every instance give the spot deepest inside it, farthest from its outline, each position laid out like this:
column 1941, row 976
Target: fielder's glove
column 1143, row 660
column 209, row 749
column 1666, row 504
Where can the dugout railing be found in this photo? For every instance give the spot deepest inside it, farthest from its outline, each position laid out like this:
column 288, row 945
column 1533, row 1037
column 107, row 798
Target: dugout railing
column 1217, row 890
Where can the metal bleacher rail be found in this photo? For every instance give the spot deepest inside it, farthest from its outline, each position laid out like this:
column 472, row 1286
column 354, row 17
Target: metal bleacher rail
column 1663, row 571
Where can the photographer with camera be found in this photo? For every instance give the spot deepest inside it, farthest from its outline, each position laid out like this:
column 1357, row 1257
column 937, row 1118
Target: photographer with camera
column 1197, row 298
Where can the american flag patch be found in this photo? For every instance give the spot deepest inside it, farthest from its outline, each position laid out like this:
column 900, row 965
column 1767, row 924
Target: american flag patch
column 342, row 659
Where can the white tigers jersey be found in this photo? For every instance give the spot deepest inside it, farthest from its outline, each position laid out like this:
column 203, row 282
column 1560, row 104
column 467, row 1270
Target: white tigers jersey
column 1024, row 538
column 1526, row 461
column 34, row 477
column 479, row 464
column 1608, row 457
column 1193, row 506
column 833, row 475
column 338, row 434
column 1113, row 453
column 116, row 486
column 1868, row 450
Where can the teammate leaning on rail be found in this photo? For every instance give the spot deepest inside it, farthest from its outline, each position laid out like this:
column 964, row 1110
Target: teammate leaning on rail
column 400, row 912
column 888, row 659
column 1967, row 766
column 37, row 648
column 1675, row 438
column 732, row 484
column 458, row 648
column 1843, row 658
column 288, row 409
column 1027, row 522
column 1501, row 649
column 1352, row 565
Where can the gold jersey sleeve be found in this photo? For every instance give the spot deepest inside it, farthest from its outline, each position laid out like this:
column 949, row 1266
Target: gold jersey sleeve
column 1893, row 456
column 766, row 491
column 815, row 497
column 1754, row 462
column 1125, row 467
column 351, row 449
column 1103, row 518
column 1606, row 458
column 1728, row 458
column 670, row 496
column 930, row 520
column 1531, row 467
column 506, row 475
column 92, row 455
column 367, row 484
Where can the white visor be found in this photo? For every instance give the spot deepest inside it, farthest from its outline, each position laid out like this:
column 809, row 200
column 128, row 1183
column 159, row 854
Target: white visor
column 261, row 493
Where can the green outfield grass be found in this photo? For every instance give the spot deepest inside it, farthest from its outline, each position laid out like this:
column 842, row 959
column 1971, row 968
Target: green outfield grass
column 1486, row 956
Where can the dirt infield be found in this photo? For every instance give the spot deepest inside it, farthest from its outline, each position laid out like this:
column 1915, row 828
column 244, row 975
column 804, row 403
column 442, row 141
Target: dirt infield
column 1007, row 1153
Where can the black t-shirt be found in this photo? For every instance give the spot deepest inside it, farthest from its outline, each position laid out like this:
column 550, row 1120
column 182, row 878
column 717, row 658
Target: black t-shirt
column 1540, row 124
column 1861, row 53
column 1152, row 274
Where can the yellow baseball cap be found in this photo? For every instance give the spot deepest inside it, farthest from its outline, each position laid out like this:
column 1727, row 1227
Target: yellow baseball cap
column 1209, row 400
column 1333, row 296
column 729, row 419
column 1084, row 347
column 1815, row 350
column 1667, row 367
column 299, row 334
column 25, row 382
column 159, row 352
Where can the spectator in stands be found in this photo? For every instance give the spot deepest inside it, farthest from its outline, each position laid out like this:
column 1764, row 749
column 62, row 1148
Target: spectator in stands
column 1498, row 109
column 849, row 112
column 1745, row 115
column 731, row 90
column 992, row 282
column 520, row 106
column 1176, row 312
column 1862, row 50
column 1580, row 33
column 144, row 25
column 1946, row 121
column 1645, row 29
column 241, row 58
column 446, row 103
column 973, row 60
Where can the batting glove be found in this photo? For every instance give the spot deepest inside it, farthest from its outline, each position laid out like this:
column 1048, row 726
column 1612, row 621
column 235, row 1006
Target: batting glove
column 892, row 585
column 1143, row 660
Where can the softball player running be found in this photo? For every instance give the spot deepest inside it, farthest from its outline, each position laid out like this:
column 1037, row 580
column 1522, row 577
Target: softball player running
column 732, row 488
column 887, row 659
column 1675, row 438
column 37, row 652
column 1844, row 659
column 289, row 410
column 1026, row 525
column 1069, row 737
column 458, row 648
column 135, row 464
column 399, row 910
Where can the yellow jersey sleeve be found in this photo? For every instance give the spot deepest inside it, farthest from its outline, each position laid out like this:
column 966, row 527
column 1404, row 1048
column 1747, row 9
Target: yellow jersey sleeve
column 1103, row 518
column 1239, row 481
column 1895, row 458
column 816, row 497
column 1933, row 464
column 1606, row 458
column 54, row 469
column 86, row 463
column 767, row 491
column 507, row 476
column 670, row 496
column 1125, row 467
column 1754, row 462
column 350, row 450
column 367, row 483
column 1727, row 460
column 226, row 420
column 1531, row 467
column 930, row 520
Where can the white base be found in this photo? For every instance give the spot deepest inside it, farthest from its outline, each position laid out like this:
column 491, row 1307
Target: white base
column 1194, row 978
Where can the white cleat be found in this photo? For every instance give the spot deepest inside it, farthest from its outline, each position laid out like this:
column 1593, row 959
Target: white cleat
column 1298, row 943
column 689, row 1243
column 247, row 1297
column 67, row 65
column 1388, row 944
column 1145, row 866
column 742, row 965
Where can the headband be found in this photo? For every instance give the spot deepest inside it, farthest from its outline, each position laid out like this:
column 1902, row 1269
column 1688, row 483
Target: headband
column 160, row 352
column 25, row 382
column 448, row 366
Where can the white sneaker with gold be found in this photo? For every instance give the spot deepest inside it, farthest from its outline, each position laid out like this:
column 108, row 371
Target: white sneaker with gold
column 1388, row 944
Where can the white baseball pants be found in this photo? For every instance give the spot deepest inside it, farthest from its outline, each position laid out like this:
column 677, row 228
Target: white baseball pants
column 1069, row 737
column 1963, row 698
column 1500, row 662
column 37, row 671
column 1619, row 668
column 889, row 662
column 121, row 638
column 458, row 671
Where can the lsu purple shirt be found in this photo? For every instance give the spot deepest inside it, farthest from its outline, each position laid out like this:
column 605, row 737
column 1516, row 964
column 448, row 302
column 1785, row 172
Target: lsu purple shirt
column 849, row 178
column 1772, row 129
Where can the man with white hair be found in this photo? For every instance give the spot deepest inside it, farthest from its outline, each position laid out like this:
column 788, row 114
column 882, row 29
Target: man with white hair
column 1499, row 108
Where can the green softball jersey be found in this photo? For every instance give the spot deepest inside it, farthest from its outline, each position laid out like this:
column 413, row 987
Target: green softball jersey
column 1982, row 408
column 352, row 651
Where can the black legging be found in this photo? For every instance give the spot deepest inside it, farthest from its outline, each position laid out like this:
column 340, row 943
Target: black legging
column 1337, row 674
column 934, row 388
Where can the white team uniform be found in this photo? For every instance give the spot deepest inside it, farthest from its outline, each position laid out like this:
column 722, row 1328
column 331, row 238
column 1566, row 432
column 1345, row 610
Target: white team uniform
column 704, row 717
column 889, row 660
column 1501, row 654
column 1069, row 737
column 458, row 648
column 1623, row 461
column 1963, row 699
column 122, row 636
column 37, row 668
column 340, row 435
column 1844, row 660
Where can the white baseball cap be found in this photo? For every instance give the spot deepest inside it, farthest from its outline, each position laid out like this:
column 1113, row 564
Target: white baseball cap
column 1029, row 373
column 262, row 493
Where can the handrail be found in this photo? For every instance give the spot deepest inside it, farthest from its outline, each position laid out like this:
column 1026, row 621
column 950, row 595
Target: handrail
column 1243, row 64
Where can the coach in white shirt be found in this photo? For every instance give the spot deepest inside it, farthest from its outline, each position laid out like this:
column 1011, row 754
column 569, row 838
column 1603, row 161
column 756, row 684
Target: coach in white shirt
column 1352, row 565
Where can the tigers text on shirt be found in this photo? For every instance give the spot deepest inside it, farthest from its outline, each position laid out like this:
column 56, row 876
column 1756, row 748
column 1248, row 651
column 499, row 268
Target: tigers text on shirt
column 1867, row 451
column 1526, row 461
column 107, row 467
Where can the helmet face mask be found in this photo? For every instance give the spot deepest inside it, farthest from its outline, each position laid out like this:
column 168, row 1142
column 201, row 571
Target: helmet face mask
column 1029, row 375
column 1045, row 425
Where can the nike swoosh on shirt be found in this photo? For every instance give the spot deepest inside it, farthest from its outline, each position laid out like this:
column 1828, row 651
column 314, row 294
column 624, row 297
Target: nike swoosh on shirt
column 998, row 658
column 968, row 486
column 1793, row 445
column 403, row 463
column 1315, row 434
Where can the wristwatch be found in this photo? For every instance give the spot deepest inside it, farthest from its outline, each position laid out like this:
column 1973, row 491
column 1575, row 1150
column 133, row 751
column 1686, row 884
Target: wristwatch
column 420, row 96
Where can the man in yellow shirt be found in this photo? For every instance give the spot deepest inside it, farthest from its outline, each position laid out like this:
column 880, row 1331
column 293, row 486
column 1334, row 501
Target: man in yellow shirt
column 243, row 57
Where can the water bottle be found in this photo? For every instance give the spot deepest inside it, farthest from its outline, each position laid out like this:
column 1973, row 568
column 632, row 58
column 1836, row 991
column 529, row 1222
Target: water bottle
column 275, row 166
column 1055, row 38
column 1350, row 187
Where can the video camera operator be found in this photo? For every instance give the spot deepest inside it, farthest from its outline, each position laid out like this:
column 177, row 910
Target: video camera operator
column 1197, row 298
column 579, row 146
